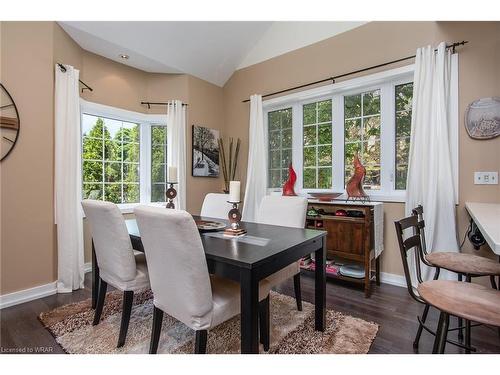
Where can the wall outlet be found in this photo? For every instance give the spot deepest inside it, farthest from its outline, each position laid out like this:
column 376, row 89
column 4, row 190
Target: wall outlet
column 485, row 178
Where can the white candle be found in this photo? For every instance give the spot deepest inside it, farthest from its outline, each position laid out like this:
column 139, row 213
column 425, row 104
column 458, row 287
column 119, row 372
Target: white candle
column 234, row 191
column 172, row 174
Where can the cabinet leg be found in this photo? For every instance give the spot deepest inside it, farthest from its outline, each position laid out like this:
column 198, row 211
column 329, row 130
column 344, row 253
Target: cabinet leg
column 377, row 270
column 367, row 275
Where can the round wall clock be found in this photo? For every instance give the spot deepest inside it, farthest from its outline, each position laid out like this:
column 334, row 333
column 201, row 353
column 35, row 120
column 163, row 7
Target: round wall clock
column 9, row 123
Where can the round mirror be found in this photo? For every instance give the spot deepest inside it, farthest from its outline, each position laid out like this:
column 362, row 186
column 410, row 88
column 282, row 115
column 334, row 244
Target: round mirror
column 9, row 123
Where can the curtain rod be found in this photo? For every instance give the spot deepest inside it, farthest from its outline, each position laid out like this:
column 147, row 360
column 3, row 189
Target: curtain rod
column 85, row 86
column 149, row 104
column 453, row 46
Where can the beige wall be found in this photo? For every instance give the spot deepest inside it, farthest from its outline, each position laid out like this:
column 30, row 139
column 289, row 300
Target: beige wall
column 28, row 53
column 372, row 44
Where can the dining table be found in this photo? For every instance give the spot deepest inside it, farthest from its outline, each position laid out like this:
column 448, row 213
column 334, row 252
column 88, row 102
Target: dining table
column 248, row 259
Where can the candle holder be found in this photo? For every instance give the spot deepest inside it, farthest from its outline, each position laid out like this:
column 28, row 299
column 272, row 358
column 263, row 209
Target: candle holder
column 170, row 194
column 234, row 216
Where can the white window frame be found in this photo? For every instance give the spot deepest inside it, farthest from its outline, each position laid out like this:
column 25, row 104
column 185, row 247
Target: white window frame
column 386, row 81
column 145, row 121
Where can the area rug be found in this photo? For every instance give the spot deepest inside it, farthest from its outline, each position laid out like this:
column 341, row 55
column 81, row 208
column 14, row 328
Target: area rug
column 292, row 331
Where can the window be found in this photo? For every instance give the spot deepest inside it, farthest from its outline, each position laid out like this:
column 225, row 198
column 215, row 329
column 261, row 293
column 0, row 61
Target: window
column 323, row 128
column 110, row 159
column 317, row 145
column 362, row 135
column 158, row 163
column 404, row 96
column 280, row 145
column 123, row 155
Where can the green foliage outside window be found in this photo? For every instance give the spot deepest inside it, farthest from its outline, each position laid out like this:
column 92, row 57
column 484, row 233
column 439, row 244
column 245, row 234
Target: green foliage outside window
column 404, row 97
column 317, row 145
column 158, row 163
column 362, row 135
column 280, row 146
column 110, row 162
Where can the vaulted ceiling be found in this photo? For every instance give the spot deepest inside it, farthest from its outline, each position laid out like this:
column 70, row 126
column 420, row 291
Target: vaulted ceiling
column 208, row 50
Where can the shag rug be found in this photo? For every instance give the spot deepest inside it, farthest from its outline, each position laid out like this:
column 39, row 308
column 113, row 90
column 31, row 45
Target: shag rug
column 292, row 331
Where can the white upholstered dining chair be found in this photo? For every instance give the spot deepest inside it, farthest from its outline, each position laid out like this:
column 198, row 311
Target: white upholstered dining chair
column 284, row 211
column 118, row 264
column 215, row 205
column 181, row 284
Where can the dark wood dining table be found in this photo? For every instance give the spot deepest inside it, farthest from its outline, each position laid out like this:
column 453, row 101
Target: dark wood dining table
column 267, row 249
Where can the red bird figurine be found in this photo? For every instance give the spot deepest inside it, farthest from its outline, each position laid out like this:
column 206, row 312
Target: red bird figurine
column 290, row 183
column 354, row 186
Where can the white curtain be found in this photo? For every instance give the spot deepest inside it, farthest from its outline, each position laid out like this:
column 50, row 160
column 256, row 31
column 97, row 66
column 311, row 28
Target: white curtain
column 176, row 148
column 68, row 190
column 256, row 184
column 430, row 179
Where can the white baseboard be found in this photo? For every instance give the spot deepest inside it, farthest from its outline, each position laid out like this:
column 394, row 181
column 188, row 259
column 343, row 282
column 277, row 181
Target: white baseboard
column 27, row 295
column 392, row 279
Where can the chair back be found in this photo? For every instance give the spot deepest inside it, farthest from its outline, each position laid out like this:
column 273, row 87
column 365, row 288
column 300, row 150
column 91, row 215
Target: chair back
column 177, row 266
column 420, row 229
column 113, row 248
column 215, row 205
column 406, row 246
column 284, row 211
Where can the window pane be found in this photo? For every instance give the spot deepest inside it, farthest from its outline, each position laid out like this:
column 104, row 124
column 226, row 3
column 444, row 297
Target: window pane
column 372, row 127
column 274, row 140
column 158, row 192
column 286, row 138
column 325, row 111
column 309, row 135
column 92, row 171
column 352, row 106
column 309, row 178
column 131, row 193
column 371, row 103
column 131, row 152
column 286, row 158
column 92, row 191
column 325, row 134
column 113, row 193
column 372, row 178
column 324, row 178
column 352, row 130
column 158, row 135
column 404, row 96
column 309, row 111
column 309, row 156
column 158, row 172
column 112, row 172
column 106, row 144
column 280, row 144
column 92, row 149
column 131, row 172
column 325, row 155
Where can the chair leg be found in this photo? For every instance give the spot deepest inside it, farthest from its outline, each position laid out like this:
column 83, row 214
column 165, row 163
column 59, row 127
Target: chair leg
column 128, row 298
column 460, row 321
column 298, row 293
column 264, row 322
column 441, row 333
column 103, row 286
column 493, row 282
column 156, row 330
column 467, row 336
column 200, row 346
column 421, row 327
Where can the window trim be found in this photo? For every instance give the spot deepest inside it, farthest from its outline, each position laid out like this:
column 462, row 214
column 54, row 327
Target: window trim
column 386, row 81
column 145, row 121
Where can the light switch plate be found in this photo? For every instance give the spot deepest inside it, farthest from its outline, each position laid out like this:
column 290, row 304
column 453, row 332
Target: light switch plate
column 485, row 178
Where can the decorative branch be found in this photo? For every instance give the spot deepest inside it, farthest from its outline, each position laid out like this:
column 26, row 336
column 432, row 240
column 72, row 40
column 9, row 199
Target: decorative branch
column 229, row 164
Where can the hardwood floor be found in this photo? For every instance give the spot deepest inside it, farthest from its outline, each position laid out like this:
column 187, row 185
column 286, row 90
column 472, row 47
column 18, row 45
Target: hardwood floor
column 389, row 306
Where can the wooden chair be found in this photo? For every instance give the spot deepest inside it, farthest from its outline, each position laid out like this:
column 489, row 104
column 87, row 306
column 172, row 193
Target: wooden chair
column 118, row 264
column 465, row 265
column 284, row 211
column 181, row 284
